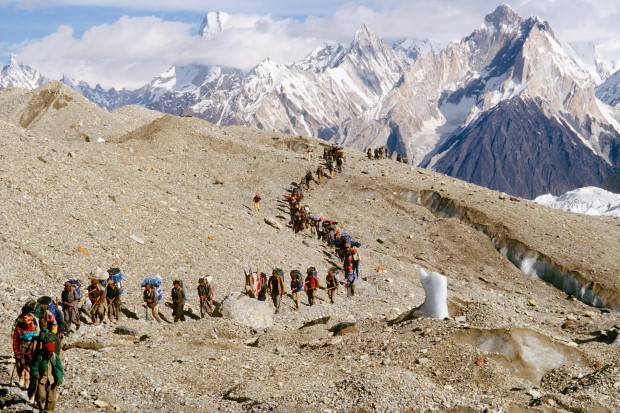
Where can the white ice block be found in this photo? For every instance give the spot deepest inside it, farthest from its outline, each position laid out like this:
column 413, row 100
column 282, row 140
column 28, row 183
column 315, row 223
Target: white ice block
column 436, row 290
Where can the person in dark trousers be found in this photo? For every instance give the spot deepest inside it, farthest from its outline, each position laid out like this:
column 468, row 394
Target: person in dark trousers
column 262, row 293
column 351, row 278
column 311, row 284
column 205, row 294
column 178, row 301
column 319, row 174
column 70, row 306
column 331, row 283
column 275, row 287
column 113, row 296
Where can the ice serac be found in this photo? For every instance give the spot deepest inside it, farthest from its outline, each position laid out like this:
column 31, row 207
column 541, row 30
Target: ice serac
column 587, row 200
column 15, row 74
column 436, row 290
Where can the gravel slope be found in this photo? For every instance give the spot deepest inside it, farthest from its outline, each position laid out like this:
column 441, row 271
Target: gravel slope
column 184, row 188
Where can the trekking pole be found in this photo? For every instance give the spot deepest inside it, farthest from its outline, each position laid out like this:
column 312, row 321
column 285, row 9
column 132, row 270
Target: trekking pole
column 13, row 370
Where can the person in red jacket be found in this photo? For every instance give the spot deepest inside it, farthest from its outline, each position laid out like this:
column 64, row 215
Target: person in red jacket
column 24, row 347
column 311, row 284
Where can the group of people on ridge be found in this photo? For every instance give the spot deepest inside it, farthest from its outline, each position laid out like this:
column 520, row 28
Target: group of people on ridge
column 384, row 153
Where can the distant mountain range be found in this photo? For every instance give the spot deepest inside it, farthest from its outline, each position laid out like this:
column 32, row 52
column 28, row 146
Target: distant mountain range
column 508, row 107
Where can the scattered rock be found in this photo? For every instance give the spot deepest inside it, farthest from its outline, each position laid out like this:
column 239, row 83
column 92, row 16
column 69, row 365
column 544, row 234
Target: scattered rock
column 101, row 404
column 126, row 331
column 322, row 320
column 272, row 222
column 343, row 328
column 534, row 393
column 252, row 342
column 136, row 238
column 532, row 303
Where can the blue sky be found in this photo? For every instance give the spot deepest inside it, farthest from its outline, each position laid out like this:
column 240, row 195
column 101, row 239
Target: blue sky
column 106, row 42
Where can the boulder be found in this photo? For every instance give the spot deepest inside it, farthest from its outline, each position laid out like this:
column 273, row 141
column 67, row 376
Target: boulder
column 247, row 311
column 272, row 221
column 344, row 328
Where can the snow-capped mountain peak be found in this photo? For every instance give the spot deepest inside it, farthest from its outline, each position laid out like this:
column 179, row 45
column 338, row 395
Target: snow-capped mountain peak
column 213, row 24
column 503, row 18
column 18, row 75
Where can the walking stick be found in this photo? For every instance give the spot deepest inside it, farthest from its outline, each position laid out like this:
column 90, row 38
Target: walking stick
column 13, row 370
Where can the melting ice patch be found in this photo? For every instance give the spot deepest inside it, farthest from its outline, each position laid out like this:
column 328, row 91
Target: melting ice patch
column 589, row 200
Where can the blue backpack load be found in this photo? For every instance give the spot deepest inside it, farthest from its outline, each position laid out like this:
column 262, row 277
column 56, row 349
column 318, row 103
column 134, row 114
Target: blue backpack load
column 156, row 283
column 78, row 287
column 45, row 300
column 117, row 276
column 184, row 291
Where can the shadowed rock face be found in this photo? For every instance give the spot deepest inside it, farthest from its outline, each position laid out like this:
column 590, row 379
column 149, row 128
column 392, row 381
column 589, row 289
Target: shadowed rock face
column 524, row 158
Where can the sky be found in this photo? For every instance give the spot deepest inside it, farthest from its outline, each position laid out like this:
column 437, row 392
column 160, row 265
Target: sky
column 114, row 44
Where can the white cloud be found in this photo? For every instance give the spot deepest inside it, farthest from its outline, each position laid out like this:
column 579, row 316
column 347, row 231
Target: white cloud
column 132, row 50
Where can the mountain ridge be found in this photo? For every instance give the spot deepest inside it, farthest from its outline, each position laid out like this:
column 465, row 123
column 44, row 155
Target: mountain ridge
column 409, row 96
